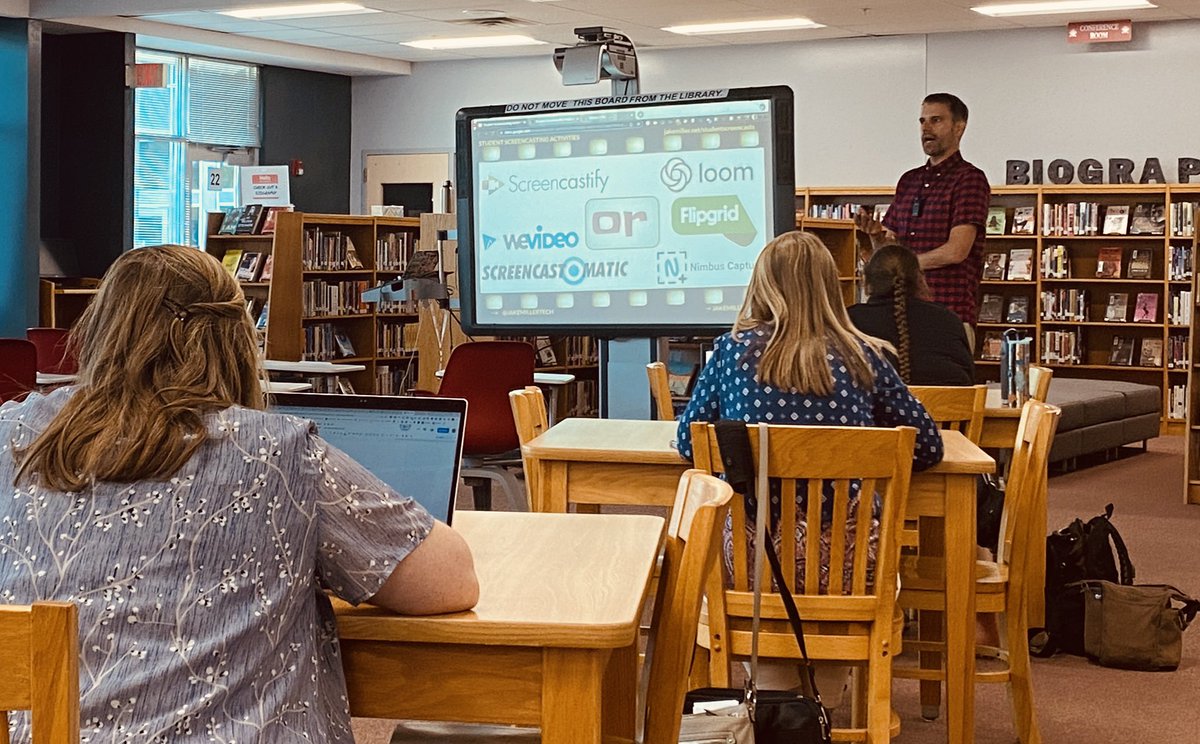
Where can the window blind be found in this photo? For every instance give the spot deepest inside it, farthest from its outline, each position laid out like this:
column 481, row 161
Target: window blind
column 223, row 103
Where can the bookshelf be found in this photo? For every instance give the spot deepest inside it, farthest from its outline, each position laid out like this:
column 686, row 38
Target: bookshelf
column 61, row 300
column 1074, row 306
column 315, row 312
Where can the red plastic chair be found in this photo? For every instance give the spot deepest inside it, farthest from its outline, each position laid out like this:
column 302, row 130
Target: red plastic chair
column 484, row 372
column 53, row 356
column 18, row 368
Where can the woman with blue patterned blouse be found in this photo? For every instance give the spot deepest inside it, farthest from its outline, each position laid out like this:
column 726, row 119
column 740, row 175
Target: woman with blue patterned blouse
column 197, row 532
column 794, row 357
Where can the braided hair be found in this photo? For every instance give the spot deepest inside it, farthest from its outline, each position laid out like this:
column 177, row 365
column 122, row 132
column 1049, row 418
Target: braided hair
column 893, row 272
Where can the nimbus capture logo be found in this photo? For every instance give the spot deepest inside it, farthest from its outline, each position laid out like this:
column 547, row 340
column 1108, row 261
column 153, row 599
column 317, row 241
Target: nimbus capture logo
column 676, row 175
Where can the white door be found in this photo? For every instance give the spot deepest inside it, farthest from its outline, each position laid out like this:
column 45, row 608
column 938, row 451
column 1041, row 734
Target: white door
column 433, row 168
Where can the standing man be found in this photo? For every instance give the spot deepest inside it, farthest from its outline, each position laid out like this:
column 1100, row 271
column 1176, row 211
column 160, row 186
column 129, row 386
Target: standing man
column 939, row 211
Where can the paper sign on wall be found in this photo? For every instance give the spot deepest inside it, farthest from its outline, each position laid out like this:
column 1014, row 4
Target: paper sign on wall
column 266, row 185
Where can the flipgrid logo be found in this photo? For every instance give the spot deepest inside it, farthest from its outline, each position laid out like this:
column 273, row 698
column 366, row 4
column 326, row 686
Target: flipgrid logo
column 676, row 175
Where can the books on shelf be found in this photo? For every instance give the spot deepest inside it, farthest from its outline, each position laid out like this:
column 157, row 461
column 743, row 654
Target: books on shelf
column 1023, row 221
column 247, row 223
column 1180, row 262
column 1108, row 263
column 1056, row 262
column 1071, row 218
column 249, row 267
column 1152, row 353
column 545, row 351
column 1183, row 219
column 1177, row 404
column 1117, row 310
column 268, row 268
column 345, row 346
column 1179, row 309
column 1141, row 260
column 1145, row 309
column 232, row 260
column 1065, row 304
column 1177, row 351
column 1121, row 354
column 993, row 266
column 229, row 222
column 1148, row 219
column 261, row 323
column 1116, row 219
column 997, row 220
column 1062, row 347
column 1020, row 264
column 990, row 308
column 1018, row 310
column 990, row 349
column 271, row 218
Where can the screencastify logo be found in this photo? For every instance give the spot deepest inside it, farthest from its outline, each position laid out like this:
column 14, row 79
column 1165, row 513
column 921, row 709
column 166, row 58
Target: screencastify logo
column 490, row 185
column 713, row 215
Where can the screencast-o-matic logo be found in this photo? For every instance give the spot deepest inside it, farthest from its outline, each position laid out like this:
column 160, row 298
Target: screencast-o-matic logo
column 572, row 271
column 538, row 240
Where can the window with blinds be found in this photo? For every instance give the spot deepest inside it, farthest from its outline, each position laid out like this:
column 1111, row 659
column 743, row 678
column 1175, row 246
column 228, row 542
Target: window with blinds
column 204, row 102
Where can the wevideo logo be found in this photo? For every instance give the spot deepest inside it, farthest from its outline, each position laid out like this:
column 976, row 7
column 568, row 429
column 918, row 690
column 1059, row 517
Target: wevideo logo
column 490, row 185
column 630, row 222
column 713, row 215
column 488, row 241
column 538, row 240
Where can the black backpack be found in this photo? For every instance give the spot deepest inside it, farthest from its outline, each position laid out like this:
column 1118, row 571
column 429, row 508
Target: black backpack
column 1078, row 552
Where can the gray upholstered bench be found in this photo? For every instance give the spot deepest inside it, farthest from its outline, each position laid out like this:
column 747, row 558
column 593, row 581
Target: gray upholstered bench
column 1102, row 415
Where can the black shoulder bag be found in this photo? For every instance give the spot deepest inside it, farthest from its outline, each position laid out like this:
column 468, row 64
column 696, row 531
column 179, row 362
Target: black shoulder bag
column 778, row 716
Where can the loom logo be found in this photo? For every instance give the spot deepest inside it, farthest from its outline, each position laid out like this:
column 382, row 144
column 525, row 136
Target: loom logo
column 676, row 175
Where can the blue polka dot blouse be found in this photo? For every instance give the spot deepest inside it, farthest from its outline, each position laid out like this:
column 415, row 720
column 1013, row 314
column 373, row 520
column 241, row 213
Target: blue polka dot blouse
column 726, row 389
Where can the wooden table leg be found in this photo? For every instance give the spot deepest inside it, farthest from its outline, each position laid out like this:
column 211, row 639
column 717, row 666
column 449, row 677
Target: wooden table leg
column 960, row 608
column 552, row 482
column 572, row 689
column 930, row 622
column 620, row 693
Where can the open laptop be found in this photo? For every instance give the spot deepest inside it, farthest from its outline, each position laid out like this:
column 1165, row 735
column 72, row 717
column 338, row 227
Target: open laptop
column 413, row 444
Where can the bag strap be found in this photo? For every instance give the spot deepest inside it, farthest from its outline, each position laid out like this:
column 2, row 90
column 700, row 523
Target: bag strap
column 1125, row 565
column 766, row 546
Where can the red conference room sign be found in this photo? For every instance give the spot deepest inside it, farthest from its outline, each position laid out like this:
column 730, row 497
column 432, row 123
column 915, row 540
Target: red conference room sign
column 1094, row 32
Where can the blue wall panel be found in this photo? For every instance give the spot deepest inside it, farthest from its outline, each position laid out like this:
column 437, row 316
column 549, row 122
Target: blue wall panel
column 18, row 248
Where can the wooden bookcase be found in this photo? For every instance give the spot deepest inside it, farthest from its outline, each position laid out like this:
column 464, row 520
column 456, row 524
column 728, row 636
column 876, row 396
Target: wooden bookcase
column 1083, row 252
column 381, row 339
column 219, row 245
column 61, row 300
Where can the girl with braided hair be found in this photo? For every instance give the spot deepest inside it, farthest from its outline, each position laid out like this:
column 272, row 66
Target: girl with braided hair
column 931, row 344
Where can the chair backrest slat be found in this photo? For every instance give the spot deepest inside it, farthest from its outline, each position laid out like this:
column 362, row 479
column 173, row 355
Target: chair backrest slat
column 660, row 391
column 40, row 647
column 954, row 408
column 689, row 555
column 833, row 460
column 1039, row 382
column 529, row 416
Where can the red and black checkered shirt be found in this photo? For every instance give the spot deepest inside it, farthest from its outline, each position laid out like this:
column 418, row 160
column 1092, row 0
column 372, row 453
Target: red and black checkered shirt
column 929, row 201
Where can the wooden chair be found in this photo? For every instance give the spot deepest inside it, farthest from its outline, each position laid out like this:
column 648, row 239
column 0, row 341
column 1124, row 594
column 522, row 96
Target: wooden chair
column 40, row 647
column 858, row 626
column 18, row 368
column 529, row 415
column 660, row 391
column 955, row 408
column 1000, row 585
column 1039, row 382
column 689, row 555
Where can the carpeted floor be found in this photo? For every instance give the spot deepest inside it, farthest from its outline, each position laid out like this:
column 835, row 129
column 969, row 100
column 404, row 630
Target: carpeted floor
column 1078, row 702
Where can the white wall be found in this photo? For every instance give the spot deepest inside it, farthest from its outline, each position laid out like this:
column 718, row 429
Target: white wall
column 1031, row 95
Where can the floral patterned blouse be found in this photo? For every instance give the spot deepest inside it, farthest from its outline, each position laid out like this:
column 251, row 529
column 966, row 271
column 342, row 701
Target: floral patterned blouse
column 202, row 615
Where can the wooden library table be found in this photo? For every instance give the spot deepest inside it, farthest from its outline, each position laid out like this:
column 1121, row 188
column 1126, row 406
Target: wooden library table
column 617, row 461
column 999, row 423
column 552, row 642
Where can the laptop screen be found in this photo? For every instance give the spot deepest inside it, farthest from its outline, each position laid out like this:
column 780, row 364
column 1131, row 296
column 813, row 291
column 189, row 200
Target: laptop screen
column 411, row 443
